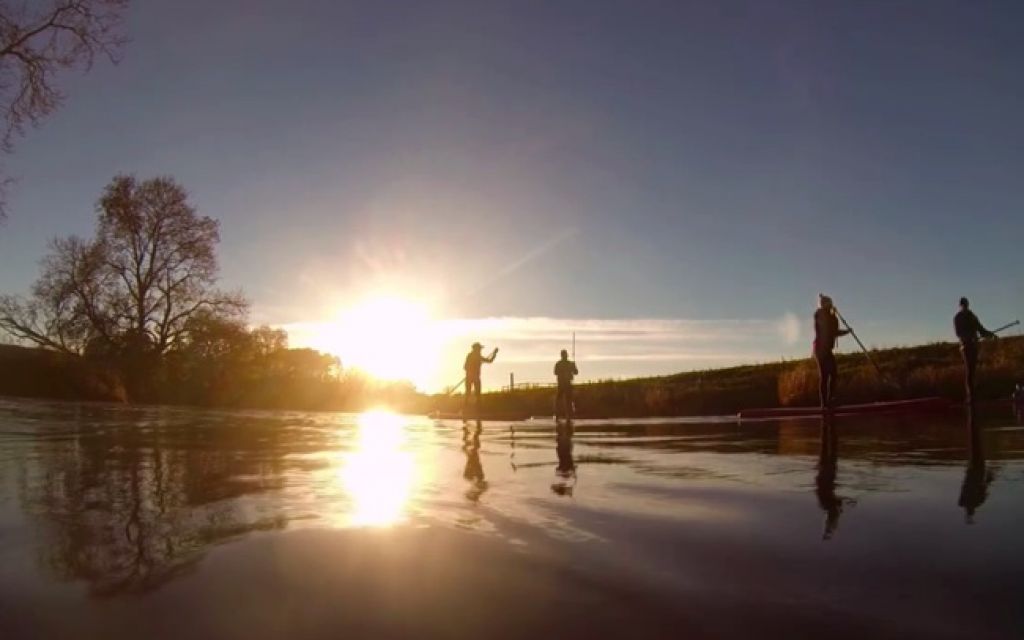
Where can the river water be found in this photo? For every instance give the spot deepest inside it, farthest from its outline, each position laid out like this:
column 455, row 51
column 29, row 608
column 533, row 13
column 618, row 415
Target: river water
column 128, row 522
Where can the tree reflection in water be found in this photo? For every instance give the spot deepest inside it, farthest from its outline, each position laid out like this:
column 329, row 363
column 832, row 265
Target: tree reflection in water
column 129, row 505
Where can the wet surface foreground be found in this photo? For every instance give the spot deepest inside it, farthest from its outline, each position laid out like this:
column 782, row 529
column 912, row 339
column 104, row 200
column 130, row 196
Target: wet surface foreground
column 159, row 523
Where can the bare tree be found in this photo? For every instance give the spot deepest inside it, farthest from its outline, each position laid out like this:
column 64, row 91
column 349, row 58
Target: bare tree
column 67, row 308
column 40, row 38
column 151, row 268
column 161, row 254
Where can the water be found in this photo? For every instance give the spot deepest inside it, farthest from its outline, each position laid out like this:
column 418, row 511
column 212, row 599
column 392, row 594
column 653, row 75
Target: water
column 162, row 522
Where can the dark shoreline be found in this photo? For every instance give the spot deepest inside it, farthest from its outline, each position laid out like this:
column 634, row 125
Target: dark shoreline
column 920, row 371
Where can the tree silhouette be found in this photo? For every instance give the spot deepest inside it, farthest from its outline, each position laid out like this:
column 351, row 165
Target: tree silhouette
column 132, row 290
column 38, row 39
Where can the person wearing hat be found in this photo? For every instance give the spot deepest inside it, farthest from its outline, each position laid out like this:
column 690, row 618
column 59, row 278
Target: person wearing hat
column 826, row 332
column 968, row 327
column 475, row 360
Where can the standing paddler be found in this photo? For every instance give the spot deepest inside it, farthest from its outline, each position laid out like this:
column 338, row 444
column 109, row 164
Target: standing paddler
column 826, row 332
column 565, row 371
column 968, row 328
column 475, row 360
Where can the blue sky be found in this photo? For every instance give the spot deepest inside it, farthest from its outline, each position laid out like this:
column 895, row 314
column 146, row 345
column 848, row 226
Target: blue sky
column 704, row 164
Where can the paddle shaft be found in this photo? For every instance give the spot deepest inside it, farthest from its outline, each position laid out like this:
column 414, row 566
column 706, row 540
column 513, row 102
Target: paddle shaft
column 1006, row 326
column 455, row 388
column 867, row 354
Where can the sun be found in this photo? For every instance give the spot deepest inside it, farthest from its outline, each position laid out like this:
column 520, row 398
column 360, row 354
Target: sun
column 389, row 337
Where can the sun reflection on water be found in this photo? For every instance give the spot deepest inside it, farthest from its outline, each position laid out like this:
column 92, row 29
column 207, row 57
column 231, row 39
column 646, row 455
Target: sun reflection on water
column 379, row 473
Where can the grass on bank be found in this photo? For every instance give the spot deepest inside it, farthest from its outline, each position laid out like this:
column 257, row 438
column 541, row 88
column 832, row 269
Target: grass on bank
column 914, row 372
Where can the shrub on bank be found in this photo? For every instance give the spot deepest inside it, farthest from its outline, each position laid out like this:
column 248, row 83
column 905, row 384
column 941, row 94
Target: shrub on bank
column 915, row 372
column 910, row 372
column 31, row 373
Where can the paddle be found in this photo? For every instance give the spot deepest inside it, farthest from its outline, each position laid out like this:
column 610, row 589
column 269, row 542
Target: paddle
column 456, row 387
column 437, row 411
column 1006, row 326
column 865, row 350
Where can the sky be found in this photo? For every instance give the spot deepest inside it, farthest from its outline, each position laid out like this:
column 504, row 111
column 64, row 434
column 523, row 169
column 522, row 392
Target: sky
column 674, row 181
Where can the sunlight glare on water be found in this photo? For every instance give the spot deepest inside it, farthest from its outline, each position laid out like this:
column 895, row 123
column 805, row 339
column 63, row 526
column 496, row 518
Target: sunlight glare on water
column 379, row 472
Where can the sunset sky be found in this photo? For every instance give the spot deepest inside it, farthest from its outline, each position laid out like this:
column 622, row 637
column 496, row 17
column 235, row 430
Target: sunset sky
column 673, row 181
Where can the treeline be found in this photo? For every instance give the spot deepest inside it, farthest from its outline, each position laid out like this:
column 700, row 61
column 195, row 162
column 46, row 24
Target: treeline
column 224, row 365
column 909, row 372
column 42, row 373
column 133, row 314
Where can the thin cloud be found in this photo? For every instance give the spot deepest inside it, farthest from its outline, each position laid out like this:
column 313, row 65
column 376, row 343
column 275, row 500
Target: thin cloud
column 630, row 330
column 528, row 257
column 608, row 346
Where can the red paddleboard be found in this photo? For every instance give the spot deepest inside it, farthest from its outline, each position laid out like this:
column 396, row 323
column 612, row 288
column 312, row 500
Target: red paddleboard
column 898, row 406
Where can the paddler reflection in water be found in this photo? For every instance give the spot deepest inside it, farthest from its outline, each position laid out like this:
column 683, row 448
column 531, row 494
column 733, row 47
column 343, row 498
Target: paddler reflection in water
column 475, row 360
column 825, row 480
column 974, row 490
column 826, row 332
column 565, row 472
column 474, row 470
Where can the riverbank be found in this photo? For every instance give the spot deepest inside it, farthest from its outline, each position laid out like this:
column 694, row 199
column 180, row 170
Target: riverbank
column 40, row 373
column 909, row 372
